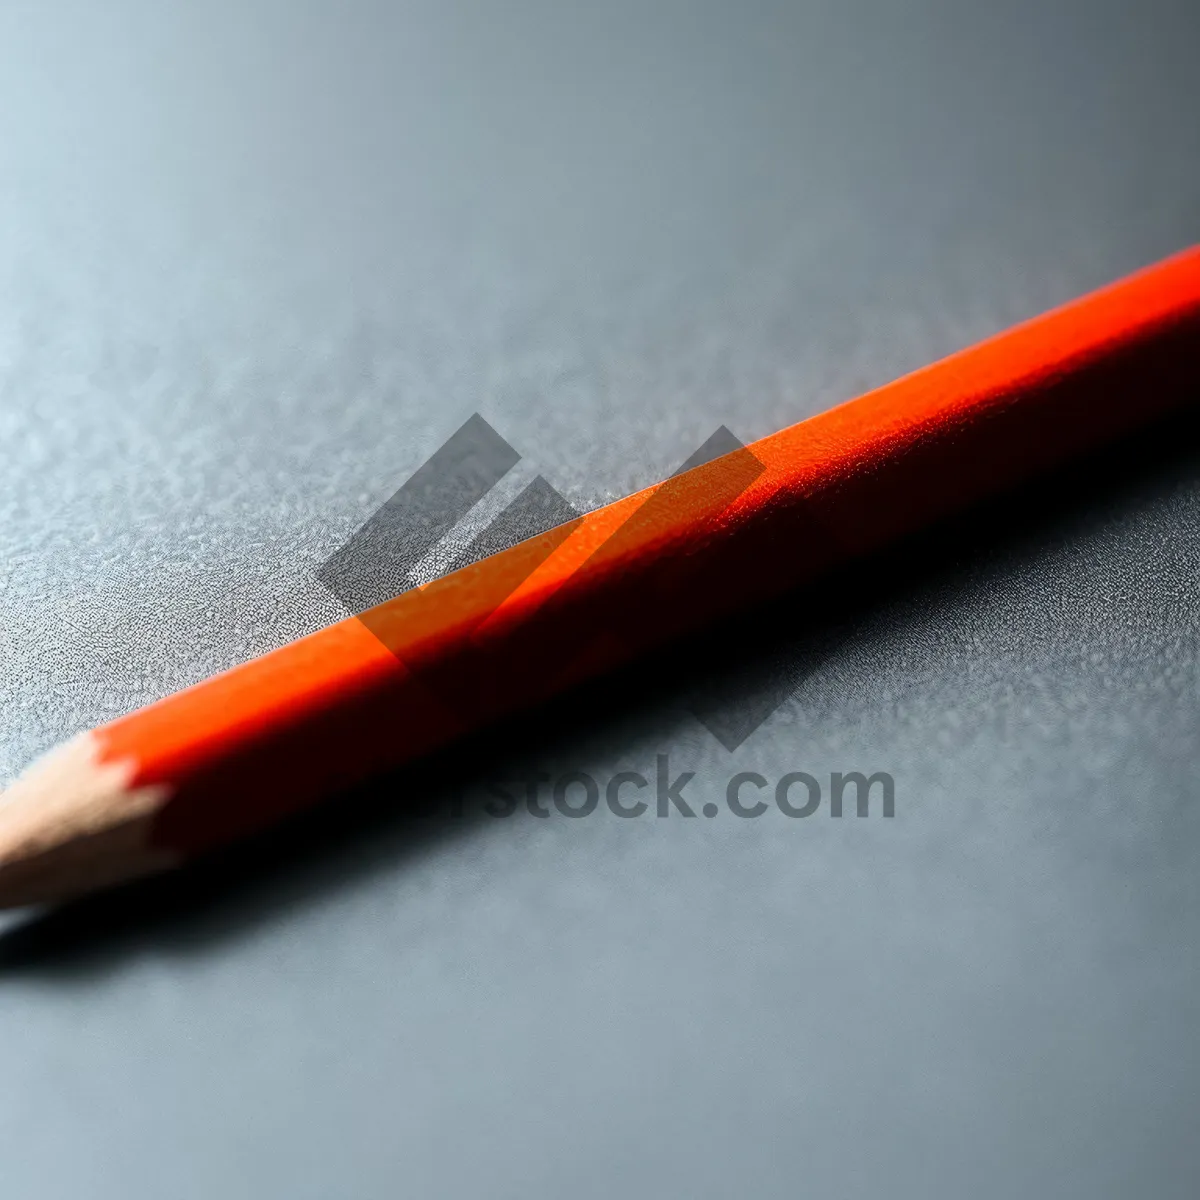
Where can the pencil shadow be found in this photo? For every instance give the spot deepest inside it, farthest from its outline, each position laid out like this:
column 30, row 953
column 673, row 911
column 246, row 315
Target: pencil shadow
column 408, row 814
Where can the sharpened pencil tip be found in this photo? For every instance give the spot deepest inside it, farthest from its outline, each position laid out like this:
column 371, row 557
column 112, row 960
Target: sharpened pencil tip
column 73, row 823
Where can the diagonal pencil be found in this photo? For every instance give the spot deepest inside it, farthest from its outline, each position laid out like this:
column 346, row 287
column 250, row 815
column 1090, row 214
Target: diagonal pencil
column 274, row 736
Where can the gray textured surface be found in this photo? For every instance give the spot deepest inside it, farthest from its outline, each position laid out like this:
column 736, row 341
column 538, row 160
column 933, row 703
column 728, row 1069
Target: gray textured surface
column 258, row 260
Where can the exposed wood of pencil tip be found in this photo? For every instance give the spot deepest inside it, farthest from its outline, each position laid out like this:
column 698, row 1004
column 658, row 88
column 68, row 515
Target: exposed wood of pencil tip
column 72, row 823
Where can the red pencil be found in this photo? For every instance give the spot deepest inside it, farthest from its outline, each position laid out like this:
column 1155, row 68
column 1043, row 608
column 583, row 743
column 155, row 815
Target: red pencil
column 235, row 753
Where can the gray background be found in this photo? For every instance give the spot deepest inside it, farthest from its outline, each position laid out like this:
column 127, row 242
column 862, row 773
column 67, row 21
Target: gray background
column 257, row 260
